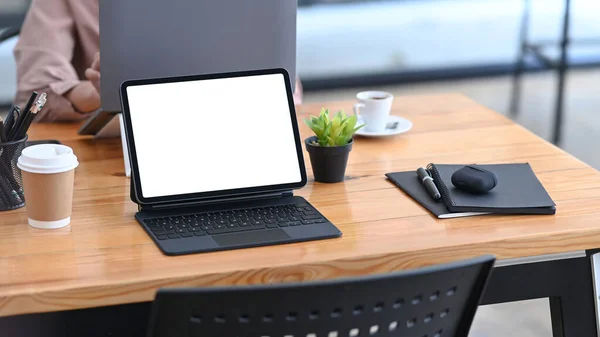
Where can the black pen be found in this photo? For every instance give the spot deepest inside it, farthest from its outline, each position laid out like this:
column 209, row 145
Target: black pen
column 10, row 121
column 19, row 121
column 2, row 136
column 429, row 184
column 29, row 116
column 13, row 127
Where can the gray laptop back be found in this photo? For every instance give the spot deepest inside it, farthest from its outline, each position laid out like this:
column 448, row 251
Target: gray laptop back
column 157, row 38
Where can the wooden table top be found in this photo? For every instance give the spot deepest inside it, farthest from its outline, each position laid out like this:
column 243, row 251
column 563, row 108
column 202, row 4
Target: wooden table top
column 105, row 258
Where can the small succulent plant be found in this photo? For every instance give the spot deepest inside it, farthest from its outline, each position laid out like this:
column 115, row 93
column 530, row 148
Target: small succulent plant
column 336, row 131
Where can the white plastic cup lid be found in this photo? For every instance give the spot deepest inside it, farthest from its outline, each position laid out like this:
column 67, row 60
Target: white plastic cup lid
column 47, row 159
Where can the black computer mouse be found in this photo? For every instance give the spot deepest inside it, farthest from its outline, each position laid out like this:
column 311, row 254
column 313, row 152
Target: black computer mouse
column 474, row 179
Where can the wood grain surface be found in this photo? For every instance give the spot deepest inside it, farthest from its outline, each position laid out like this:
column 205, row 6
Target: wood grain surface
column 105, row 258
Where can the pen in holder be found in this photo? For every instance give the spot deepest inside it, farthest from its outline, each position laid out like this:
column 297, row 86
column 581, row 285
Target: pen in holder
column 11, row 185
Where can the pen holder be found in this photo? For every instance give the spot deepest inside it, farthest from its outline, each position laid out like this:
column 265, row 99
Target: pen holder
column 11, row 185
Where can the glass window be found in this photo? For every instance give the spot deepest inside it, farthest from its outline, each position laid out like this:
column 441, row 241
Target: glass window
column 339, row 38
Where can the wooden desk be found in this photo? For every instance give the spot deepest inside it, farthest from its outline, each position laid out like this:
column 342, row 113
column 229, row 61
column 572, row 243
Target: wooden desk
column 105, row 258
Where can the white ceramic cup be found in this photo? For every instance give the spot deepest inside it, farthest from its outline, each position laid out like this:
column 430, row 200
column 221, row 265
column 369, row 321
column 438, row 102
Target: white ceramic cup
column 48, row 173
column 374, row 108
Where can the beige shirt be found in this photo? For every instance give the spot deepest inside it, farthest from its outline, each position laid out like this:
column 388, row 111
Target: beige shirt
column 58, row 41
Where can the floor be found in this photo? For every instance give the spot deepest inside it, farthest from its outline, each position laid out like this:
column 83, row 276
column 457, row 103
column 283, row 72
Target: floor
column 581, row 129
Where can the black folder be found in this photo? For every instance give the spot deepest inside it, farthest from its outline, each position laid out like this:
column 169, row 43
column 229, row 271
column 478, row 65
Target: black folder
column 518, row 192
column 409, row 183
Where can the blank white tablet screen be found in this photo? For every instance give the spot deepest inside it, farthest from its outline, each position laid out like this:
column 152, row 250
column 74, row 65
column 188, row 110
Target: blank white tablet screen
column 213, row 135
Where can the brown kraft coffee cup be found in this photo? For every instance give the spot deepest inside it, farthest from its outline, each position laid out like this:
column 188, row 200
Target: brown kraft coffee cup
column 48, row 173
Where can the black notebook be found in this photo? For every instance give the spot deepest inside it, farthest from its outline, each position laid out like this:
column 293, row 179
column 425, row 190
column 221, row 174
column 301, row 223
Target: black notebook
column 518, row 192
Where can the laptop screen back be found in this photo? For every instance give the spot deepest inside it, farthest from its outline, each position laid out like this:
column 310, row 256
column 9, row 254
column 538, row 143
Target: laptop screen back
column 202, row 136
column 158, row 38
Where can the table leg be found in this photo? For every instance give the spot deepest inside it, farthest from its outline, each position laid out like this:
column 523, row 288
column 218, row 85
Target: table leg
column 572, row 314
column 568, row 283
column 561, row 70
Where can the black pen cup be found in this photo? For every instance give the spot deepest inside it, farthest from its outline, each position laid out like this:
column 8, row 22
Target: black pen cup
column 11, row 184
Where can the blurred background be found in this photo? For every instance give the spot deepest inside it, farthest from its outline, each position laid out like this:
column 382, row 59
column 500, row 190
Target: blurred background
column 466, row 46
column 474, row 47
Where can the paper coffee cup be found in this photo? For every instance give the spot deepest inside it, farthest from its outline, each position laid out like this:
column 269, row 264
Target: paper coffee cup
column 48, row 173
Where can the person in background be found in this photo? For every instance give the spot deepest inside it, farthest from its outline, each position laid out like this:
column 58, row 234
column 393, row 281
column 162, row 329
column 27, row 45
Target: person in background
column 58, row 53
column 58, row 42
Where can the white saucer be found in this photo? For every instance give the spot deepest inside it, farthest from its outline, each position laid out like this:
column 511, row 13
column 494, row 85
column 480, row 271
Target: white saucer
column 396, row 126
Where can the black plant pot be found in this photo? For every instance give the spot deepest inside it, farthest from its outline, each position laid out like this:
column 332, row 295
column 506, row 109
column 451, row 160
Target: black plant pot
column 328, row 163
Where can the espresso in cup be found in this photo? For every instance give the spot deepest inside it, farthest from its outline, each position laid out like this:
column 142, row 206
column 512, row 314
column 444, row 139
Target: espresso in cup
column 48, row 173
column 374, row 109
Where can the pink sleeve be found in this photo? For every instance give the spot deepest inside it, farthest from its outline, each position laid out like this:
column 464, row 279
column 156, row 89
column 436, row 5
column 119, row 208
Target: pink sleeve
column 43, row 56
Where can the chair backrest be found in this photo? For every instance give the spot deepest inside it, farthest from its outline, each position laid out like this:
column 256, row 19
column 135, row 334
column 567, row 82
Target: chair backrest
column 8, row 33
column 429, row 302
column 8, row 68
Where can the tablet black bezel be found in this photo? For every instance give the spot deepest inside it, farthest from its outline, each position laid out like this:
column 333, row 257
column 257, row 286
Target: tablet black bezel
column 191, row 197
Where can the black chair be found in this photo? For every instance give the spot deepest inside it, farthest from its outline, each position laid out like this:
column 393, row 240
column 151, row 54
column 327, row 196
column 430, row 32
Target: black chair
column 8, row 33
column 5, row 35
column 430, row 302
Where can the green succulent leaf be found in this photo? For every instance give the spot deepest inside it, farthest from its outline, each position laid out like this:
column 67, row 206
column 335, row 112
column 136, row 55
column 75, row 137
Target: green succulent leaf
column 319, row 132
column 308, row 123
column 358, row 128
column 351, row 123
column 343, row 126
column 336, row 122
column 336, row 131
column 325, row 116
column 341, row 140
column 327, row 131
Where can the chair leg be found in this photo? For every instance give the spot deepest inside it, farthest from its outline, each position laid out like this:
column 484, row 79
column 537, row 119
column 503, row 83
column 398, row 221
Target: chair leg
column 520, row 62
column 561, row 71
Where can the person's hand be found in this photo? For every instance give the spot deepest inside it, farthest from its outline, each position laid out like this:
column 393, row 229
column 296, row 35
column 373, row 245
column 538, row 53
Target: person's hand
column 84, row 97
column 93, row 72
